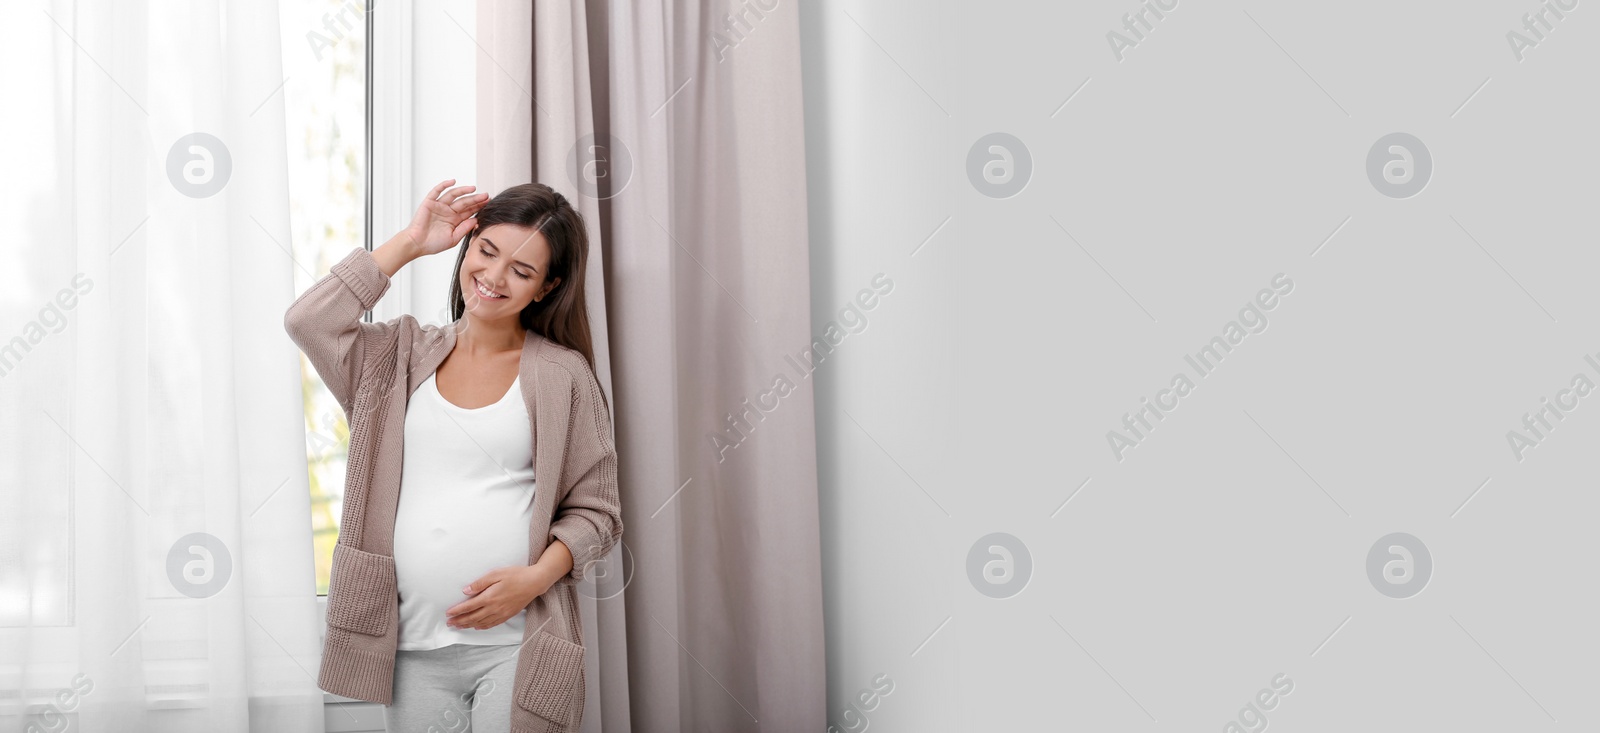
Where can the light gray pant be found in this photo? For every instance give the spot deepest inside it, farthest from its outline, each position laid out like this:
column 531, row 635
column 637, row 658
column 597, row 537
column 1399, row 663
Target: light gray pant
column 453, row 689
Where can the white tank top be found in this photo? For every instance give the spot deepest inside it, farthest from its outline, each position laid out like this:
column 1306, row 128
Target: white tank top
column 466, row 503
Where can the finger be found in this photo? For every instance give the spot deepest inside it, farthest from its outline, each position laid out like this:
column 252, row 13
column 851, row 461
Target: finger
column 465, row 202
column 469, row 606
column 464, row 227
column 450, row 196
column 434, row 193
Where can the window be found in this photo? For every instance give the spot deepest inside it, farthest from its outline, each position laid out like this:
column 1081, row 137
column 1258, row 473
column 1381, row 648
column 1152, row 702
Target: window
column 325, row 98
column 368, row 134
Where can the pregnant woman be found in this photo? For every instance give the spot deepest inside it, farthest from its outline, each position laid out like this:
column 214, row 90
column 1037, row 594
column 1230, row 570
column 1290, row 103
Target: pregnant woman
column 481, row 483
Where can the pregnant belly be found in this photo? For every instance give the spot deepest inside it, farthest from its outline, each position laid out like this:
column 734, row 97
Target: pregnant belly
column 433, row 563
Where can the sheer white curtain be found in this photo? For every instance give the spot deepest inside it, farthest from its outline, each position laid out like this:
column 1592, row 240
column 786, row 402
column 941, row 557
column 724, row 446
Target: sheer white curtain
column 155, row 549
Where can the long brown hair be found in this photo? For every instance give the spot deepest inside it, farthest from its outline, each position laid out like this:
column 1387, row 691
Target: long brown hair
column 563, row 315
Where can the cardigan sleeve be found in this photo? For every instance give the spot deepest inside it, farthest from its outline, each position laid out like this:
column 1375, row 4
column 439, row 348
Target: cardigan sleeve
column 589, row 519
column 325, row 321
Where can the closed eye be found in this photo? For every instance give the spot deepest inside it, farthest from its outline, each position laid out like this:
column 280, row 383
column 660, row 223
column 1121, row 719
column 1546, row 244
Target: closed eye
column 520, row 273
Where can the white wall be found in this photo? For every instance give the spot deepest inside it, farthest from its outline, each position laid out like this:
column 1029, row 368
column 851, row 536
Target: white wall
column 1235, row 141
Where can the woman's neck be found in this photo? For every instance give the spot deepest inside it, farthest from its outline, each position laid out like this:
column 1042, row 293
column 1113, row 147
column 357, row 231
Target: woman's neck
column 476, row 337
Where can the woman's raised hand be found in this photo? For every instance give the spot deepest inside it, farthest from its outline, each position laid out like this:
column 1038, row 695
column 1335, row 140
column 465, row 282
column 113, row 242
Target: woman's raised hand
column 444, row 217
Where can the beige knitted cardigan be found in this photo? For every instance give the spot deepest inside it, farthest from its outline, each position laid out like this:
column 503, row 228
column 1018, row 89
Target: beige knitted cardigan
column 372, row 369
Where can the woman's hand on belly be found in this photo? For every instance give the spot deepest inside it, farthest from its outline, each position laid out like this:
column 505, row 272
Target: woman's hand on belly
column 497, row 596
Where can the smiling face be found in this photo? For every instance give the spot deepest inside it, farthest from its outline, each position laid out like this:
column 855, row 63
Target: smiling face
column 504, row 270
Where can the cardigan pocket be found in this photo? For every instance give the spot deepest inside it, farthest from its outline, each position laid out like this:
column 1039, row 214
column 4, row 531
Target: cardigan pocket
column 362, row 590
column 553, row 687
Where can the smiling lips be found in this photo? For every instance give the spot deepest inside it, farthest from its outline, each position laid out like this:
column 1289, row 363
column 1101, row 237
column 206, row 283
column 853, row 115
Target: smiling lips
column 485, row 292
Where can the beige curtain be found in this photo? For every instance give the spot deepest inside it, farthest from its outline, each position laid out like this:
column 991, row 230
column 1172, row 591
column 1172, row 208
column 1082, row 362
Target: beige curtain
column 680, row 136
